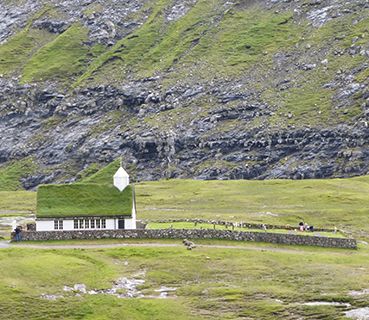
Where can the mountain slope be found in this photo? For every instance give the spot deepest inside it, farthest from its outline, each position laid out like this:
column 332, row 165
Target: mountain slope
column 206, row 89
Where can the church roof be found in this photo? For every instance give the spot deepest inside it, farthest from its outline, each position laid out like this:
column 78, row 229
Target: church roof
column 76, row 200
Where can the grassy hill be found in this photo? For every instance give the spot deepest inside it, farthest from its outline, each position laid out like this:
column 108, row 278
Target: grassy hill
column 338, row 202
column 342, row 203
column 213, row 41
column 265, row 89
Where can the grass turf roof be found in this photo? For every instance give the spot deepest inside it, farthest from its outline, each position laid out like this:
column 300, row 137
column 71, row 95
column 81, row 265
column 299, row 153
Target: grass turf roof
column 104, row 175
column 83, row 200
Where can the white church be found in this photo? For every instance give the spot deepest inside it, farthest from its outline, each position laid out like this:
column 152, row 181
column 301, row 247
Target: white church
column 79, row 206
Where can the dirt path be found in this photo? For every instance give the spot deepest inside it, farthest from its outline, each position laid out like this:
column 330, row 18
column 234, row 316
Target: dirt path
column 166, row 245
column 4, row 244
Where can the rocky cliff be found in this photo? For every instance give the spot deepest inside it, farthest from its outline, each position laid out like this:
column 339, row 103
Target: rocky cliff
column 205, row 89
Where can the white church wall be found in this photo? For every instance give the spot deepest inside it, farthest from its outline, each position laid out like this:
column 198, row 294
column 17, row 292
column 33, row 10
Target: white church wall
column 110, row 224
column 44, row 225
column 130, row 223
column 68, row 225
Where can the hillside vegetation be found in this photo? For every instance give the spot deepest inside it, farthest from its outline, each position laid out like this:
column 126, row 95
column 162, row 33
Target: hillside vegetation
column 183, row 89
column 11, row 175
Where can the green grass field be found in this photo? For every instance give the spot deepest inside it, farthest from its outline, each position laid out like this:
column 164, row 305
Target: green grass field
column 17, row 203
column 217, row 279
column 343, row 203
column 244, row 282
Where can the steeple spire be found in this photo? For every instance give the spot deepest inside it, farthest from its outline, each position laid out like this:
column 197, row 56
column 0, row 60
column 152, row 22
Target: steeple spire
column 121, row 177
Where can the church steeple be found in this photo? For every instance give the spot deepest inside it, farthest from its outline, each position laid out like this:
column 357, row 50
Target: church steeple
column 121, row 178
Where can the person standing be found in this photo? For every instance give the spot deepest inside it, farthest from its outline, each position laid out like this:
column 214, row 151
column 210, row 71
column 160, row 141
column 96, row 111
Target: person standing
column 301, row 226
column 18, row 233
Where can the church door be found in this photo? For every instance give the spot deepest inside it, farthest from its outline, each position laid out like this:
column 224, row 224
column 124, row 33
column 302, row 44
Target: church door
column 121, row 224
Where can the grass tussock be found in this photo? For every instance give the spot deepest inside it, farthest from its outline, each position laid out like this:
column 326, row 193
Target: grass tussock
column 12, row 173
column 61, row 58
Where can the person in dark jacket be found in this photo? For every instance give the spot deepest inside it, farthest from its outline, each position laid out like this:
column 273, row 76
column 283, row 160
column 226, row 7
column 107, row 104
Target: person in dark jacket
column 18, row 233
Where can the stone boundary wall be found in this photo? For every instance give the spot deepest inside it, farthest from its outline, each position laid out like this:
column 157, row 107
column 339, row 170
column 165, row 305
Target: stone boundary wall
column 245, row 225
column 193, row 234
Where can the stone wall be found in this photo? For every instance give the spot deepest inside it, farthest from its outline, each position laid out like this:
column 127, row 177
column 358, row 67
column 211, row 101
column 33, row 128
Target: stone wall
column 246, row 225
column 290, row 239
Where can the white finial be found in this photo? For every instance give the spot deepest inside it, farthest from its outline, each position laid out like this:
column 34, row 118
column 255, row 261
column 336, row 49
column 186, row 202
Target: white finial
column 121, row 179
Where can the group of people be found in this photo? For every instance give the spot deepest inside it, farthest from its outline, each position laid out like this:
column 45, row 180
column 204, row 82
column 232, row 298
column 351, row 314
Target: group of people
column 305, row 227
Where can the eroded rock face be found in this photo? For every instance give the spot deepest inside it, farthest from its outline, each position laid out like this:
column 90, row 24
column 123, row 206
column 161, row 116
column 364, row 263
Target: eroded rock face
column 216, row 128
column 55, row 128
column 100, row 124
column 13, row 17
column 107, row 21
